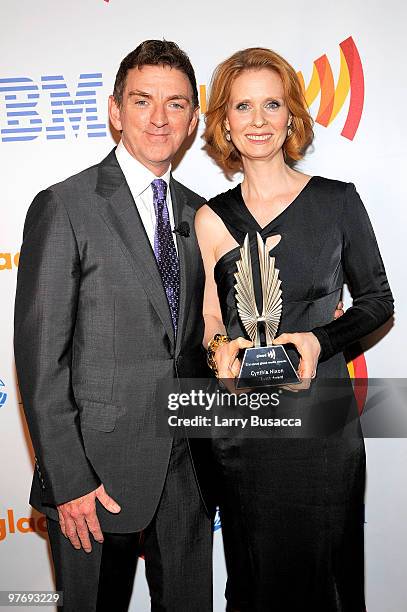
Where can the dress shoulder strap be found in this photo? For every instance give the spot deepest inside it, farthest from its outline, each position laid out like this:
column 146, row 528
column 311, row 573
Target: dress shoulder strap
column 227, row 207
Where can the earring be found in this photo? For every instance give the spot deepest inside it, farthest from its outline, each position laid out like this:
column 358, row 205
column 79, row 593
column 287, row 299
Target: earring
column 227, row 136
column 290, row 130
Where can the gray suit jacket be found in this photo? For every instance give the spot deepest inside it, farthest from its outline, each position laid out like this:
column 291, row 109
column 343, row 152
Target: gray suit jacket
column 94, row 342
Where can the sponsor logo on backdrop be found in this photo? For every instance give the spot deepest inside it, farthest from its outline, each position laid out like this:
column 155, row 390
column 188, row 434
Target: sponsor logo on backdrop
column 3, row 394
column 332, row 97
column 358, row 372
column 49, row 108
column 350, row 83
column 12, row 525
column 9, row 260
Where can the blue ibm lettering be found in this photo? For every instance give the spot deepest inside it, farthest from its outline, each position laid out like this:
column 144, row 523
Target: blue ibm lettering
column 21, row 96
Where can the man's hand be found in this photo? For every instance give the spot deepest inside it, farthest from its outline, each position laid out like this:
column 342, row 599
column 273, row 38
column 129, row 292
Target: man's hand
column 78, row 517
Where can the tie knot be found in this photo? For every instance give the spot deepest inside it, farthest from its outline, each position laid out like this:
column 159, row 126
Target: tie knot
column 159, row 187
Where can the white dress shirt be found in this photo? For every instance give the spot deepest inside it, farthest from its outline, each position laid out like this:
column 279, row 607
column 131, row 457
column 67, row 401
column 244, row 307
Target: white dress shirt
column 139, row 179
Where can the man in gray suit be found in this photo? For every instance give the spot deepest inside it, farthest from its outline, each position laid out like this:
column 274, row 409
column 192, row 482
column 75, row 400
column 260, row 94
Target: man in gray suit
column 109, row 309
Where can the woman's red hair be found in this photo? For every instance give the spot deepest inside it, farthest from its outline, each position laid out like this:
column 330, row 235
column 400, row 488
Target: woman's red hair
column 223, row 77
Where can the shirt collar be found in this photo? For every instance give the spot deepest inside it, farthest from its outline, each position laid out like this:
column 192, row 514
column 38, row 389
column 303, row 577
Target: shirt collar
column 138, row 177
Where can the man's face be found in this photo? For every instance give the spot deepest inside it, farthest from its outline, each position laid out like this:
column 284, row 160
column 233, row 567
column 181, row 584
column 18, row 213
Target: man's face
column 156, row 115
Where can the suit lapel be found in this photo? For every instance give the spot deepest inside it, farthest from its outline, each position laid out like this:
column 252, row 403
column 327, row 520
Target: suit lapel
column 187, row 256
column 120, row 213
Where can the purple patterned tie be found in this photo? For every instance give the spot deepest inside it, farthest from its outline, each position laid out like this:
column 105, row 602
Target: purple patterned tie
column 164, row 248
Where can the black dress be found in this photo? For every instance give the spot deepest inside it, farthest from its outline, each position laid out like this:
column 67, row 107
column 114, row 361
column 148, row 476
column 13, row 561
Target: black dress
column 292, row 509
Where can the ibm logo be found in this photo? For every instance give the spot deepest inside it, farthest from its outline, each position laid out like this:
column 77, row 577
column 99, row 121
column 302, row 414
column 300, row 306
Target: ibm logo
column 24, row 122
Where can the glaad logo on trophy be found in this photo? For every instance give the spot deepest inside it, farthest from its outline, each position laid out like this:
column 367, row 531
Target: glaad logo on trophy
column 265, row 364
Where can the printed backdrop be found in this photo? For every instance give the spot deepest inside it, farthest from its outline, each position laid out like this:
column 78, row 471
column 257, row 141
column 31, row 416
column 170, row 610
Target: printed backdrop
column 58, row 65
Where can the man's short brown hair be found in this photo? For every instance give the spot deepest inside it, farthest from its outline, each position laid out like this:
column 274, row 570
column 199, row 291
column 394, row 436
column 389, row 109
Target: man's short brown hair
column 155, row 53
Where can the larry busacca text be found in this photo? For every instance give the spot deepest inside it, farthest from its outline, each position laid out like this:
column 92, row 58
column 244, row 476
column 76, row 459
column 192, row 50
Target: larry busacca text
column 225, row 410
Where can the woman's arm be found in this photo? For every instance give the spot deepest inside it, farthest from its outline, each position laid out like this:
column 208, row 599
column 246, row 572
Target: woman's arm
column 363, row 266
column 207, row 234
column 369, row 287
column 210, row 232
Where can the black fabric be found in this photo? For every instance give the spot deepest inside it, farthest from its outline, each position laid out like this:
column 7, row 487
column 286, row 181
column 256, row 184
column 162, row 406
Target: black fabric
column 76, row 572
column 292, row 522
column 292, row 509
column 117, row 571
column 177, row 547
column 326, row 239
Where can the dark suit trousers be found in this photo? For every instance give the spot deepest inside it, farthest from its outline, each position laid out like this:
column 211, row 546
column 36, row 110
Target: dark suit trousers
column 177, row 547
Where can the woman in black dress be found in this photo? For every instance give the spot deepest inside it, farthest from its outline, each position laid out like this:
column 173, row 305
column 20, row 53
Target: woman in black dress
column 291, row 508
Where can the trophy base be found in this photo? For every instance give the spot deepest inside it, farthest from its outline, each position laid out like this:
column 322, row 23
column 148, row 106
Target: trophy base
column 266, row 366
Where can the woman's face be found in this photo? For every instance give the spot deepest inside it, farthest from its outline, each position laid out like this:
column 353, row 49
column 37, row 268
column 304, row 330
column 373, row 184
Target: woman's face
column 257, row 115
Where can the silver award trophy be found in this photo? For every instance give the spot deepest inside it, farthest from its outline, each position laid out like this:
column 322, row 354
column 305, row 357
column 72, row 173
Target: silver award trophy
column 265, row 364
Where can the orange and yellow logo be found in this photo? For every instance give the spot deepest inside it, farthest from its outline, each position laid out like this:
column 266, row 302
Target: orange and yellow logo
column 358, row 372
column 7, row 260
column 24, row 524
column 332, row 97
